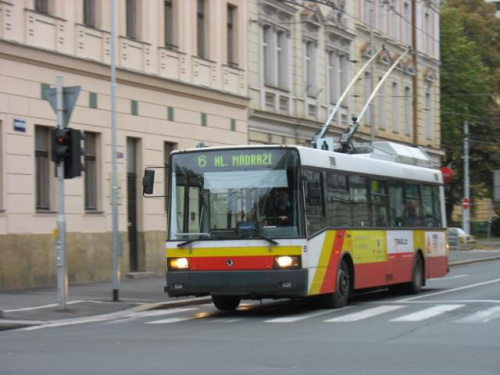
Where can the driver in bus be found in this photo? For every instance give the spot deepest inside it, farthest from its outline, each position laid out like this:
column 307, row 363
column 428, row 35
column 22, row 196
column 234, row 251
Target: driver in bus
column 280, row 214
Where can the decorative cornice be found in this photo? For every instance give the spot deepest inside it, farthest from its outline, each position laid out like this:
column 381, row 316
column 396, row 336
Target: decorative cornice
column 82, row 67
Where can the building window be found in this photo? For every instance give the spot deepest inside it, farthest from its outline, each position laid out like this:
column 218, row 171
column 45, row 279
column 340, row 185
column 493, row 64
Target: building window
column 407, row 23
column 170, row 24
column 395, row 107
column 394, row 17
column 382, row 116
column 428, row 116
column 367, row 19
column 427, row 33
column 382, row 17
column 333, row 82
column 170, row 114
column 202, row 30
column 231, row 35
column 89, row 15
column 275, row 57
column 42, row 168
column 343, row 72
column 408, row 110
column 42, row 6
column 131, row 19
column 310, row 67
column 90, row 171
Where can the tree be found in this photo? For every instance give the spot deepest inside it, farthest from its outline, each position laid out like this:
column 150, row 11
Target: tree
column 468, row 85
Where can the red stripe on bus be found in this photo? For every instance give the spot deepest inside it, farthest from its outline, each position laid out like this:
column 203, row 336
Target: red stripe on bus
column 231, row 263
column 330, row 280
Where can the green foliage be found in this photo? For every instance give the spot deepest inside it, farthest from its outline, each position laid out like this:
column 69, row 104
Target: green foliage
column 470, row 84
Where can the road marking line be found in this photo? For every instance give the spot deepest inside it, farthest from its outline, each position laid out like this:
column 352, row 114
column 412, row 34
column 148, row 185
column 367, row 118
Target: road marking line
column 482, row 316
column 42, row 306
column 296, row 318
column 427, row 313
column 449, row 290
column 171, row 320
column 63, row 324
column 225, row 320
column 448, row 278
column 365, row 314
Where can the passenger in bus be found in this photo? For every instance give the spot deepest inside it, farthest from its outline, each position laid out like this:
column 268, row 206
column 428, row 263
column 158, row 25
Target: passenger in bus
column 280, row 214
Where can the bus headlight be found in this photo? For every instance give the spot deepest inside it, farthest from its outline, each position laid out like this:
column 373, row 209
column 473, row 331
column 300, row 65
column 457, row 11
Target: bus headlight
column 178, row 264
column 287, row 261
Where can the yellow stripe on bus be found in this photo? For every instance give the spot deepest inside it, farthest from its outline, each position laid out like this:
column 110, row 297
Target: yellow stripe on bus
column 324, row 259
column 234, row 251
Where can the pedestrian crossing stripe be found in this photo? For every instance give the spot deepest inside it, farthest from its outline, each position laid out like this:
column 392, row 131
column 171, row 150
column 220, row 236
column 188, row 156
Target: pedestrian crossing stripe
column 427, row 313
column 482, row 316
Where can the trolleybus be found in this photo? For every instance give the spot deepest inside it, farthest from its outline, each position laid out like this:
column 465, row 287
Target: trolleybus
column 356, row 221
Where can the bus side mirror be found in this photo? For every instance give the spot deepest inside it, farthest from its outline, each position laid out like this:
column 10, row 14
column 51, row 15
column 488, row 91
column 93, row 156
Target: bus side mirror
column 148, row 181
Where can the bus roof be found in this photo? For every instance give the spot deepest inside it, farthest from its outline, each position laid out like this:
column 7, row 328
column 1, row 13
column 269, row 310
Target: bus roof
column 369, row 163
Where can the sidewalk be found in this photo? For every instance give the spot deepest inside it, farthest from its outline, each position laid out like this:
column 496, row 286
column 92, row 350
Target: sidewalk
column 93, row 301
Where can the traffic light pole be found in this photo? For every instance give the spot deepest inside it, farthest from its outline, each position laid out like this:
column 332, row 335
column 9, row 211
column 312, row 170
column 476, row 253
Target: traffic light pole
column 62, row 271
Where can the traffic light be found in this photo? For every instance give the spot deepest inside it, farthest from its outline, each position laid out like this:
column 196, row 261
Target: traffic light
column 66, row 147
column 59, row 144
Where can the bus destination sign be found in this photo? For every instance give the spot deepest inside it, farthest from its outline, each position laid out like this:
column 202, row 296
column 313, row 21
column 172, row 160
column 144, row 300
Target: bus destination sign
column 216, row 160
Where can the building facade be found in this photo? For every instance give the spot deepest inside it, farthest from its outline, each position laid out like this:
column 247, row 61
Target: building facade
column 181, row 80
column 303, row 54
column 188, row 71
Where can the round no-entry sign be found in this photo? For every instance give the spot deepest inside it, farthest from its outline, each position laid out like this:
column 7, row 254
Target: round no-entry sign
column 465, row 203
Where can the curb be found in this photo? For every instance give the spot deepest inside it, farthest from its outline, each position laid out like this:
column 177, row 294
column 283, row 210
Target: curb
column 469, row 261
column 8, row 324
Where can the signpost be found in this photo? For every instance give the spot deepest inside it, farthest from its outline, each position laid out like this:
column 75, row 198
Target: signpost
column 62, row 100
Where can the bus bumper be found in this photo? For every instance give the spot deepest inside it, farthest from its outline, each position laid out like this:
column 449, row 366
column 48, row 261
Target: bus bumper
column 245, row 284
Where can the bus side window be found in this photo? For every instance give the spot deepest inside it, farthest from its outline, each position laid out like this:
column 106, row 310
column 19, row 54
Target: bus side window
column 380, row 203
column 396, row 204
column 413, row 206
column 315, row 209
column 359, row 201
column 338, row 200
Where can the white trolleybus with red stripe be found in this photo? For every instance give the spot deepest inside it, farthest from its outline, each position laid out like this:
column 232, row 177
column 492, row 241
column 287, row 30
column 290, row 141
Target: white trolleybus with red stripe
column 281, row 221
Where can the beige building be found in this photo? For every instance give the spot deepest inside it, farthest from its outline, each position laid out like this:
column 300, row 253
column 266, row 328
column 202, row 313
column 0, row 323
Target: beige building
column 181, row 79
column 302, row 56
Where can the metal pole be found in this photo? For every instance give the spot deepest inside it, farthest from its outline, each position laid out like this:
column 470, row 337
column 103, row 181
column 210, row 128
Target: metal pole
column 62, row 274
column 116, row 235
column 490, row 206
column 466, row 211
column 372, row 73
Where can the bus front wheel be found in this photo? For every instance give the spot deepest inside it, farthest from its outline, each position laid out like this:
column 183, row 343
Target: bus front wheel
column 339, row 298
column 226, row 303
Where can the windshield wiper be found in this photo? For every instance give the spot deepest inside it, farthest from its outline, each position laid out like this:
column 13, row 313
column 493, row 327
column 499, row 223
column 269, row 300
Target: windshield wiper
column 182, row 244
column 270, row 240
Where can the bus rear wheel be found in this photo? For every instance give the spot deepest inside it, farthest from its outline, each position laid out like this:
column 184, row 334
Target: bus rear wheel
column 339, row 298
column 226, row 303
column 417, row 277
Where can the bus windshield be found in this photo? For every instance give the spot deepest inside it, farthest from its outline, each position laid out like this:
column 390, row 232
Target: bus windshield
column 231, row 194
